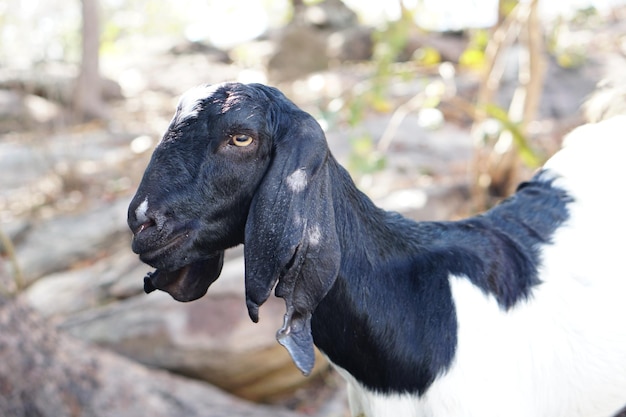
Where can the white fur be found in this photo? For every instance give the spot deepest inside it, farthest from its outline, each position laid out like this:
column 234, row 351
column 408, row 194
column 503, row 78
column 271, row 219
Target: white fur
column 189, row 103
column 297, row 180
column 142, row 210
column 315, row 235
column 562, row 353
column 365, row 403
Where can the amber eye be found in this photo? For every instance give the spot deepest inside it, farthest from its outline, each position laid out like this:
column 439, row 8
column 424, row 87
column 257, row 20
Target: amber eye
column 241, row 140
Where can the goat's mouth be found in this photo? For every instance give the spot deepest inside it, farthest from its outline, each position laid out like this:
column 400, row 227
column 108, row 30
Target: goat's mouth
column 189, row 282
column 166, row 251
column 183, row 269
column 152, row 256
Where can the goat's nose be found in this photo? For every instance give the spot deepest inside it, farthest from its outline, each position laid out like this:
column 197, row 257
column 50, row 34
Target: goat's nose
column 141, row 216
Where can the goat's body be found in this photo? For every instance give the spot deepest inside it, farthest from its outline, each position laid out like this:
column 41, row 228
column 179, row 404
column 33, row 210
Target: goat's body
column 543, row 358
column 559, row 350
column 517, row 312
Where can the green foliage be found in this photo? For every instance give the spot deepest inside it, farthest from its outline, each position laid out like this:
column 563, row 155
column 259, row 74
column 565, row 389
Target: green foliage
column 472, row 59
column 427, row 56
column 364, row 159
column 507, row 6
column 567, row 45
column 356, row 110
column 389, row 43
column 108, row 39
column 474, row 56
column 522, row 143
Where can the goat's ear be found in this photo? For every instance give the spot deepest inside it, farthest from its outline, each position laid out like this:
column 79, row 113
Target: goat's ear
column 290, row 234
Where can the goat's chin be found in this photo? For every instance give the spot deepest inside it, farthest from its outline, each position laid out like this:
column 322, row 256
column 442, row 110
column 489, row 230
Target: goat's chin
column 189, row 282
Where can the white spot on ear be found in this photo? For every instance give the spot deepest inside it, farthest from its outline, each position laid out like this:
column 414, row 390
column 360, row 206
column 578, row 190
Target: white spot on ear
column 315, row 235
column 297, row 180
column 190, row 101
column 141, row 211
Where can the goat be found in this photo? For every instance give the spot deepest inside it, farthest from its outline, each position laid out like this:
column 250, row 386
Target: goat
column 515, row 312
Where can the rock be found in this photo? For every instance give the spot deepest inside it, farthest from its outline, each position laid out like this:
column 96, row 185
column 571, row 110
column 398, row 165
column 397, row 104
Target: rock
column 318, row 33
column 565, row 90
column 18, row 110
column 450, row 46
column 197, row 47
column 54, row 84
column 15, row 232
column 11, row 105
column 49, row 374
column 41, row 110
column 58, row 244
column 301, row 50
column 113, row 278
column 328, row 14
column 351, row 44
column 211, row 339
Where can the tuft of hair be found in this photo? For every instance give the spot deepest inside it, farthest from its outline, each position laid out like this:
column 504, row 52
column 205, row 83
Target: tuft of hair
column 190, row 103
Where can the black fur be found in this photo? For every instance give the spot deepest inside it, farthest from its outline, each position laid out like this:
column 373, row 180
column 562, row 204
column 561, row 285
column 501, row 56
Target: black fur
column 369, row 287
column 390, row 320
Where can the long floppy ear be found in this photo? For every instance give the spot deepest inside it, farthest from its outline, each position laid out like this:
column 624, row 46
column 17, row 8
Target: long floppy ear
column 290, row 235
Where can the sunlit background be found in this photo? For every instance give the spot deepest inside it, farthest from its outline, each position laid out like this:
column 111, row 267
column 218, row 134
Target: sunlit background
column 40, row 30
column 437, row 108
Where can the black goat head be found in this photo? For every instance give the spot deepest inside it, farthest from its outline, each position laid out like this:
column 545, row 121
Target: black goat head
column 241, row 164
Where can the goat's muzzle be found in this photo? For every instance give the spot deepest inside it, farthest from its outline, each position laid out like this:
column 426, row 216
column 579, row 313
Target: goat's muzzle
column 183, row 270
column 187, row 283
column 163, row 244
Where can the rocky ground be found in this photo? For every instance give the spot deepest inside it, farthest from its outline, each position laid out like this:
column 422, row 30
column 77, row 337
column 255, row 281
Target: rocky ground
column 64, row 191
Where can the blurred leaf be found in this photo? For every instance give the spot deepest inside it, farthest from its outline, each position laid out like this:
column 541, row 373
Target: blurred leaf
column 507, row 6
column 363, row 158
column 472, row 58
column 356, row 110
column 480, row 39
column 362, row 145
column 430, row 102
column 526, row 153
column 570, row 59
column 427, row 56
column 381, row 104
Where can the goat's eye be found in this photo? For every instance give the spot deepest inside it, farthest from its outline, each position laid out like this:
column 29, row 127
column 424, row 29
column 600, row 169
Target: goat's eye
column 241, row 140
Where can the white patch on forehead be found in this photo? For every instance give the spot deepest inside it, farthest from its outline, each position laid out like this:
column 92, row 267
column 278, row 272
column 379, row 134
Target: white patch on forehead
column 297, row 180
column 190, row 101
column 142, row 210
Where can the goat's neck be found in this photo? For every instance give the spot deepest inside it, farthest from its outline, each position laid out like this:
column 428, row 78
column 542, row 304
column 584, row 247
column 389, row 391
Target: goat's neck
column 370, row 238
column 393, row 268
column 361, row 324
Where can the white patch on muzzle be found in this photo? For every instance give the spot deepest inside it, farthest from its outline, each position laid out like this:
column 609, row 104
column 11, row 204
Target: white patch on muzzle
column 142, row 210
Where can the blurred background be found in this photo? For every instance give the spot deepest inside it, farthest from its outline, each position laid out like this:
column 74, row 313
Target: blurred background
column 437, row 108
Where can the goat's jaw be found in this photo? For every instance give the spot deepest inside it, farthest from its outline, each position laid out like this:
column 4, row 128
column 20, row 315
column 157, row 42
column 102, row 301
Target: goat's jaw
column 184, row 268
column 157, row 256
column 187, row 283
